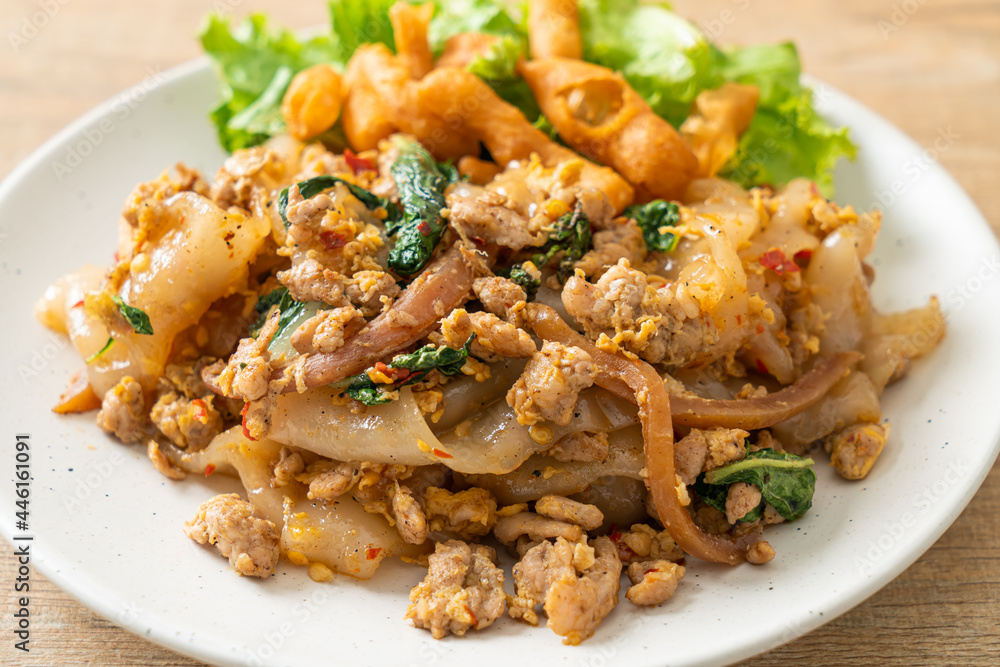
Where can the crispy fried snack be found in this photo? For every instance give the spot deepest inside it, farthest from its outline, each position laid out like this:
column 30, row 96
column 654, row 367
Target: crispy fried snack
column 461, row 49
column 409, row 29
column 720, row 117
column 396, row 92
column 313, row 101
column 601, row 116
column 363, row 116
column 465, row 103
column 554, row 29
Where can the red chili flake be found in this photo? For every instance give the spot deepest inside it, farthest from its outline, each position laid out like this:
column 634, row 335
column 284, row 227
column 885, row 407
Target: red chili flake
column 761, row 368
column 440, row 454
column 371, row 553
column 775, row 260
column 209, row 469
column 761, row 329
column 78, row 304
column 624, row 551
column 803, row 255
column 814, row 188
column 739, row 319
column 652, row 569
column 478, row 239
column 424, row 228
column 200, row 409
column 396, row 374
column 332, row 240
column 118, row 257
column 357, row 164
column 243, row 414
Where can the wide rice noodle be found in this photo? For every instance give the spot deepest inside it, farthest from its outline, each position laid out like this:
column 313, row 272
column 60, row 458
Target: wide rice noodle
column 340, row 535
column 398, row 433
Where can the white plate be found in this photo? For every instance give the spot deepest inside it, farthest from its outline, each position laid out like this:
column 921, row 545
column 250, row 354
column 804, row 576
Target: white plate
column 107, row 526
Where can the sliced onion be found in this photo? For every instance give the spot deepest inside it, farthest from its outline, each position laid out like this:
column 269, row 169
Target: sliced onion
column 648, row 391
column 765, row 411
column 441, row 288
column 341, row 534
column 748, row 414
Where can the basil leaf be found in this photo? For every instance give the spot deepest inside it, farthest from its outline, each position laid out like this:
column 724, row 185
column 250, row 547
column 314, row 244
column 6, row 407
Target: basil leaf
column 137, row 318
column 289, row 308
column 518, row 275
column 450, row 172
column 313, row 186
column 653, row 219
column 96, row 355
column 571, row 236
column 786, row 482
column 446, row 360
column 362, row 388
column 421, row 186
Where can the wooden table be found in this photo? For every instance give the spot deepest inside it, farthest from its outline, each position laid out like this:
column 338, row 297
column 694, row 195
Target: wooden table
column 926, row 65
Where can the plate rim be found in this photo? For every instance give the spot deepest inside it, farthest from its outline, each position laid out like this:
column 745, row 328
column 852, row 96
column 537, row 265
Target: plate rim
column 94, row 597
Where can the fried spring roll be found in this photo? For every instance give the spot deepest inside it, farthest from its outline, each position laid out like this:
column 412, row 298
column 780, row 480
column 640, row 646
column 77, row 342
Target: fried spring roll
column 596, row 112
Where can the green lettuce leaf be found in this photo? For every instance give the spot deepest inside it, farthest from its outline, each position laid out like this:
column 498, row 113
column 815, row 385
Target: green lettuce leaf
column 666, row 59
column 357, row 22
column 669, row 61
column 498, row 66
column 787, row 139
column 492, row 17
column 254, row 65
column 500, row 62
